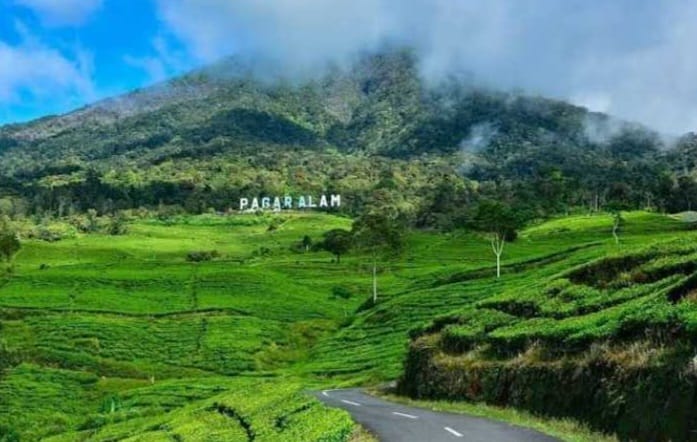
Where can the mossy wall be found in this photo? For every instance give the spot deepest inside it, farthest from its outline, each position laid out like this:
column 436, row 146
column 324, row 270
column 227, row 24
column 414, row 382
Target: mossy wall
column 654, row 402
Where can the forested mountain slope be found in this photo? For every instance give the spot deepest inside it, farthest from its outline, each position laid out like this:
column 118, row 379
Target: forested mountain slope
column 202, row 140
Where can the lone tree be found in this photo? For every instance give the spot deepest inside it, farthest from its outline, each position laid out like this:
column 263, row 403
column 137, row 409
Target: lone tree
column 9, row 245
column 617, row 222
column 9, row 241
column 337, row 242
column 306, row 243
column 501, row 223
column 379, row 234
column 118, row 225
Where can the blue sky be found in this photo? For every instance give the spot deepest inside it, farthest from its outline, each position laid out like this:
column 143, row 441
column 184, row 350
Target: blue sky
column 87, row 50
column 636, row 59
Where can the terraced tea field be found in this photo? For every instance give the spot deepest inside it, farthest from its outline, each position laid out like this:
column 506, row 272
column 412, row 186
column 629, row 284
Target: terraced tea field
column 123, row 338
column 616, row 332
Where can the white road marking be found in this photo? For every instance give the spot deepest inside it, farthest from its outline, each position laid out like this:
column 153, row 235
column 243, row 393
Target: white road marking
column 326, row 392
column 405, row 415
column 351, row 403
column 453, row 432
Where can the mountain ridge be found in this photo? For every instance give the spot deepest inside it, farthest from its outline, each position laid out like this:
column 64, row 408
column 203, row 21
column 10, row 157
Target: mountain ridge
column 249, row 133
column 221, row 77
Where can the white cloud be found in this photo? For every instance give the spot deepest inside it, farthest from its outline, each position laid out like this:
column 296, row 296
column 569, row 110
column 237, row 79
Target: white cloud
column 62, row 12
column 165, row 61
column 594, row 101
column 38, row 73
column 300, row 34
column 633, row 58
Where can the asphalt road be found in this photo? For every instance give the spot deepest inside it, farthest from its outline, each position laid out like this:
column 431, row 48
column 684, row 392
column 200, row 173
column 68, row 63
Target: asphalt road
column 392, row 422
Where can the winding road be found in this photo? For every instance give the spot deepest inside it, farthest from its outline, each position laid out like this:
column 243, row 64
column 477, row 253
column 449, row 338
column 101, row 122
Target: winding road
column 392, row 422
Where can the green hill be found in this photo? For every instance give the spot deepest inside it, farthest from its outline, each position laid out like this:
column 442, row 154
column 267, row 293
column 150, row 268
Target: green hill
column 605, row 334
column 201, row 141
column 142, row 306
column 133, row 340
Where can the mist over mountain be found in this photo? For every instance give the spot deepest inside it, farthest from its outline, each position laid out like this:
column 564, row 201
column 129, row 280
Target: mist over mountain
column 201, row 140
column 382, row 92
column 630, row 58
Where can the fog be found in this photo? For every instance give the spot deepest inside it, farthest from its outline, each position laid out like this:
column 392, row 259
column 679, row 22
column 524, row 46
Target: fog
column 631, row 58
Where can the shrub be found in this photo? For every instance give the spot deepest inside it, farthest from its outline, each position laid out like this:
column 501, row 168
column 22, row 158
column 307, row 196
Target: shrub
column 262, row 251
column 110, row 404
column 8, row 434
column 341, row 292
column 9, row 245
column 201, row 256
column 93, row 423
column 275, row 223
column 80, row 222
column 117, row 225
column 52, row 232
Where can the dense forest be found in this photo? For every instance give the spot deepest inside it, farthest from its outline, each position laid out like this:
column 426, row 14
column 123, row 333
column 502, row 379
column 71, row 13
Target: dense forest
column 377, row 133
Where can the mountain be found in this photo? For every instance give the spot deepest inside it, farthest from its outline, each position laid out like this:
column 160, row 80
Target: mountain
column 380, row 105
column 202, row 140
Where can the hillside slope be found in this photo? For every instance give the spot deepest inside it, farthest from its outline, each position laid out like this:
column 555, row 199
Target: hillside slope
column 202, row 140
column 614, row 331
column 106, row 343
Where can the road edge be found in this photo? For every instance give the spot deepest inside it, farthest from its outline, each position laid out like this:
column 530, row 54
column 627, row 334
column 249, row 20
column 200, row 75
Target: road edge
column 567, row 430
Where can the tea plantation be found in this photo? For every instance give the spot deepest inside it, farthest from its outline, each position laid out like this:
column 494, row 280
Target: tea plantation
column 214, row 327
column 608, row 339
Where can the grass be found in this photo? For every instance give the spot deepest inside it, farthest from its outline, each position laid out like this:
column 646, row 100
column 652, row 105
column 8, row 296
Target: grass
column 244, row 410
column 360, row 434
column 120, row 336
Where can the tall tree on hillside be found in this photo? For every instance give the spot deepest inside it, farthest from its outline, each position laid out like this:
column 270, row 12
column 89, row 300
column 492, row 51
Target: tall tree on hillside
column 9, row 241
column 306, row 243
column 9, row 245
column 617, row 222
column 337, row 242
column 686, row 192
column 379, row 234
column 501, row 223
column 686, row 151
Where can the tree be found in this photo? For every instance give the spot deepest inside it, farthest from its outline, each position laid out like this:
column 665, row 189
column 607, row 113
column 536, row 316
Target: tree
column 9, row 245
column 307, row 242
column 117, row 225
column 686, row 151
column 501, row 223
column 617, row 222
column 617, row 219
column 337, row 242
column 92, row 221
column 686, row 193
column 379, row 233
column 9, row 241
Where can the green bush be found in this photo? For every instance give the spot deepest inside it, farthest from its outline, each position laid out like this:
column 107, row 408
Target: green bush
column 262, row 251
column 341, row 292
column 110, row 405
column 53, row 231
column 202, row 256
column 8, row 434
column 117, row 225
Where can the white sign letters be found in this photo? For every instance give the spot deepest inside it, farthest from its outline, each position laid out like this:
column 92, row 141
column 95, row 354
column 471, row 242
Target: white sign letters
column 278, row 203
